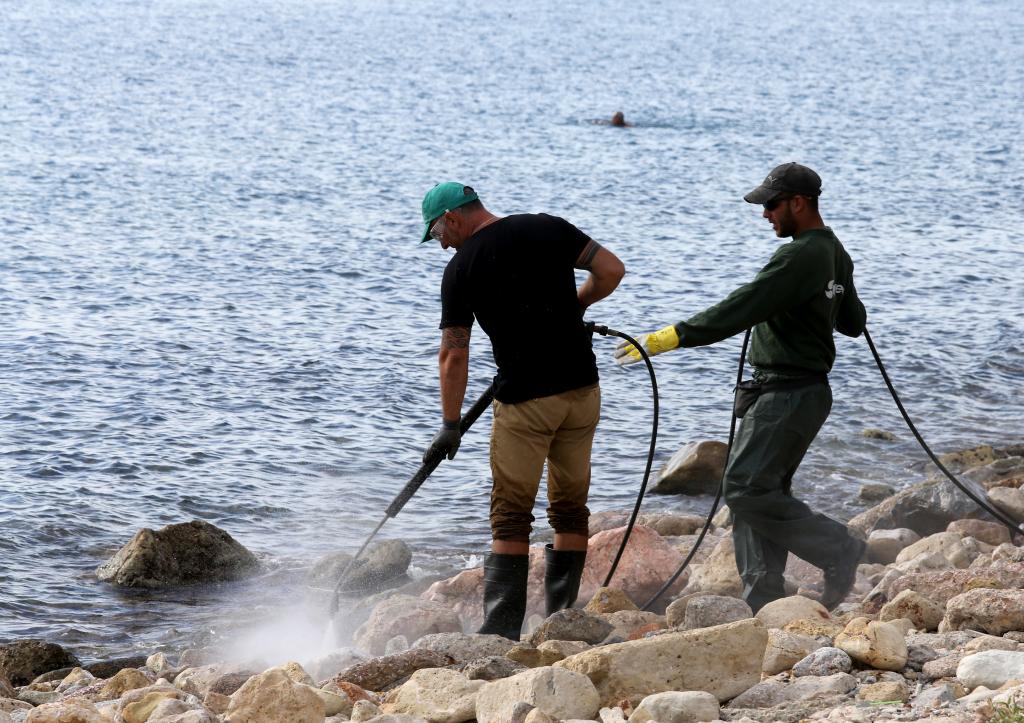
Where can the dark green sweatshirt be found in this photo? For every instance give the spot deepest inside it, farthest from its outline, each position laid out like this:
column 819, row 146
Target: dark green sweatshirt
column 793, row 303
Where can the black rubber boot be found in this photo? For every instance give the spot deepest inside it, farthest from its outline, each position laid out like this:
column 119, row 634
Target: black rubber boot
column 562, row 573
column 840, row 576
column 505, row 594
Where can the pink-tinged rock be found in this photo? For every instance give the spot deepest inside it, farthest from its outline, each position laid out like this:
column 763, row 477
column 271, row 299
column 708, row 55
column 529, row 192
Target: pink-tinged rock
column 647, row 562
column 942, row 585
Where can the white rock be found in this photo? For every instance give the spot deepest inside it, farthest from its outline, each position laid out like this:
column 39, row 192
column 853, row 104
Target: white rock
column 730, row 662
column 885, row 545
column 874, row 643
column 990, row 668
column 612, row 715
column 437, row 694
column 558, row 692
column 676, row 707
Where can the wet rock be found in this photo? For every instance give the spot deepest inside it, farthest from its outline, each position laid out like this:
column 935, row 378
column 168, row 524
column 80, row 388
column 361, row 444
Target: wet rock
column 380, row 673
column 705, row 611
column 413, row 617
column 272, row 695
column 382, row 566
column 884, row 691
column 875, row 492
column 991, row 611
column 973, row 457
column 676, row 707
column 559, row 692
column 437, row 695
column 991, row 533
column 228, row 683
column 77, row 679
column 922, row 612
column 463, row 647
column 773, row 692
column 182, row 554
column 784, row 650
column 572, row 624
column 198, row 681
column 695, row 469
column 872, row 643
column 110, row 668
column 991, row 668
column 778, row 613
column 730, row 658
column 609, row 600
column 671, row 524
column 493, row 667
column 21, row 661
column 333, row 663
column 925, row 508
column 823, row 662
column 879, row 434
column 646, row 563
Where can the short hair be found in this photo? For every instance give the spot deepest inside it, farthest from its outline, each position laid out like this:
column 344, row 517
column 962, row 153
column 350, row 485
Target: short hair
column 472, row 206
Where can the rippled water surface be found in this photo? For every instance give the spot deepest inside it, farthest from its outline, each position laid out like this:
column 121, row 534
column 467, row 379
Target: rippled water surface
column 213, row 303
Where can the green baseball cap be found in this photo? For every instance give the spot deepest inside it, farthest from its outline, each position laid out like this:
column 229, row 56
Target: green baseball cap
column 444, row 197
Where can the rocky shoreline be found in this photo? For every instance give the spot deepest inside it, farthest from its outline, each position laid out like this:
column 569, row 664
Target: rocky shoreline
column 933, row 630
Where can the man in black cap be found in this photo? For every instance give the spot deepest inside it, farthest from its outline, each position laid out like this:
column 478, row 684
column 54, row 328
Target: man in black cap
column 793, row 304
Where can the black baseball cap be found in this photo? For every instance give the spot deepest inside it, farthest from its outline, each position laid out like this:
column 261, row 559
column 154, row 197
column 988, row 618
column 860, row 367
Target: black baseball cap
column 787, row 179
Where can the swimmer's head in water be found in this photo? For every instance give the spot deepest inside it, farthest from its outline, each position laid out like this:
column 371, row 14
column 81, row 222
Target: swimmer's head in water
column 619, row 119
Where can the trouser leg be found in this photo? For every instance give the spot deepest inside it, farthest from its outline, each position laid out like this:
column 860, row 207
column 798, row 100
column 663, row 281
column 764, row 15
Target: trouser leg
column 770, row 443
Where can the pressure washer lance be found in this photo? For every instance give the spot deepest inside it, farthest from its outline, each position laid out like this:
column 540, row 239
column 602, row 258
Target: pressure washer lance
column 410, row 489
column 997, row 514
column 605, row 331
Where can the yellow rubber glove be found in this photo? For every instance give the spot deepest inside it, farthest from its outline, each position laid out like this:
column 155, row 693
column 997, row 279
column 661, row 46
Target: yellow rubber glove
column 653, row 343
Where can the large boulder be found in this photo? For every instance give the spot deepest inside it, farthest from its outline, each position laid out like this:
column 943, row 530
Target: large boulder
column 384, row 565
column 926, row 507
column 646, row 563
column 21, row 661
column 561, row 694
column 990, row 611
column 182, row 554
column 730, row 658
column 405, row 615
column 695, row 469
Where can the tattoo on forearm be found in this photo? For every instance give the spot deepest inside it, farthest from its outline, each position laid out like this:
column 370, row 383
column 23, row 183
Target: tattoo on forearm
column 586, row 259
column 455, row 337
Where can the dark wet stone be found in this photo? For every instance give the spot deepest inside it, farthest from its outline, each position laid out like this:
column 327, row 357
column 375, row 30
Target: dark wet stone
column 182, row 554
column 383, row 566
column 572, row 624
column 380, row 673
column 22, row 661
column 229, row 683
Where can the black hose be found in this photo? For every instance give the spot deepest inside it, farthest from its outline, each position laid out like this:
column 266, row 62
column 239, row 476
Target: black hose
column 718, row 494
column 605, row 331
column 1009, row 522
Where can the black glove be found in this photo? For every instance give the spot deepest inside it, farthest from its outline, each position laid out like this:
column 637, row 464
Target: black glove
column 446, row 441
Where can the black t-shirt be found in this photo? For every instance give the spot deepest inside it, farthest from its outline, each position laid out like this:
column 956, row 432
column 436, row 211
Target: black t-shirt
column 515, row 276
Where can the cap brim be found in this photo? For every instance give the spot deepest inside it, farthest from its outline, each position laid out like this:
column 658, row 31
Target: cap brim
column 762, row 194
column 426, row 234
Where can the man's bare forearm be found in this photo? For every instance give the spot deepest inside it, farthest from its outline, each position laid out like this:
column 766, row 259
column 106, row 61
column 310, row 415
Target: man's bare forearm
column 453, row 363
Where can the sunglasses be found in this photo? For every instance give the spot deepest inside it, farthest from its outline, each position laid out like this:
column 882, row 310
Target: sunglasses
column 774, row 203
column 437, row 230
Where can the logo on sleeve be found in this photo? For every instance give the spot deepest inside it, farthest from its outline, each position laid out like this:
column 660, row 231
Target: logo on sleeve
column 833, row 289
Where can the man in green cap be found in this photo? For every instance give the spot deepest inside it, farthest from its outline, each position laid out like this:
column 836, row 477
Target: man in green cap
column 515, row 275
column 793, row 304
